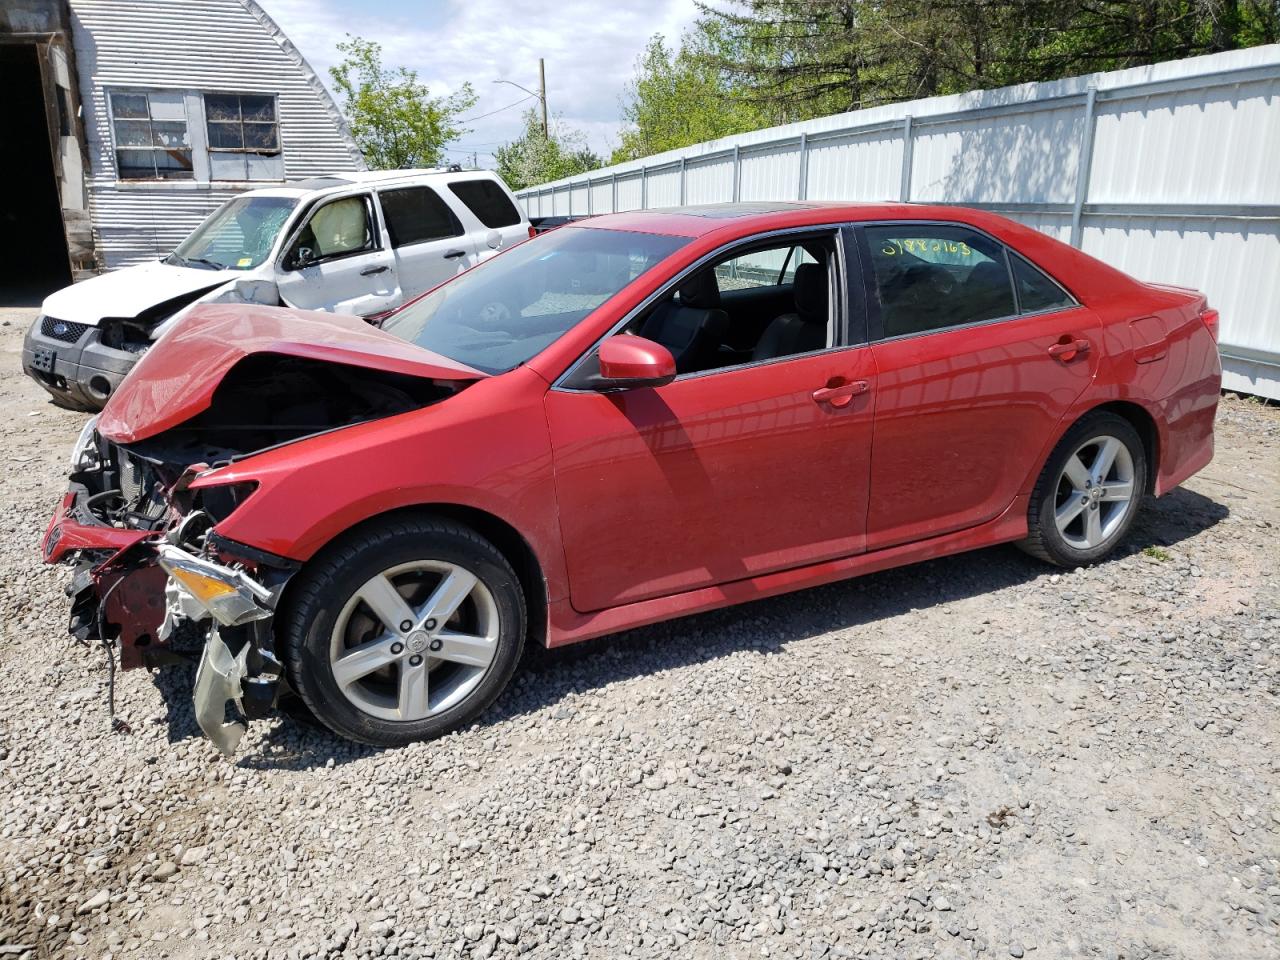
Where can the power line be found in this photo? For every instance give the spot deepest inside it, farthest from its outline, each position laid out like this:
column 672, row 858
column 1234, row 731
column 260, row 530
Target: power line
column 481, row 116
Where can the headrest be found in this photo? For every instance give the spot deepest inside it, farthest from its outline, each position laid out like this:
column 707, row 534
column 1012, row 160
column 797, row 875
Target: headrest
column 701, row 291
column 988, row 273
column 811, row 292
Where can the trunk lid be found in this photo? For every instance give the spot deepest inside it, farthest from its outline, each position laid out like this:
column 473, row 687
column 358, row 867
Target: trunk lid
column 175, row 380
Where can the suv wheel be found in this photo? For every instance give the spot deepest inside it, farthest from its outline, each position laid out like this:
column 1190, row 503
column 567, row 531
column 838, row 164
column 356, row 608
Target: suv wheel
column 404, row 631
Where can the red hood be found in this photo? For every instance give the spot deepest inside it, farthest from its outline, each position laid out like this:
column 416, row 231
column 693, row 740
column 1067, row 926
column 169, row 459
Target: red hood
column 176, row 378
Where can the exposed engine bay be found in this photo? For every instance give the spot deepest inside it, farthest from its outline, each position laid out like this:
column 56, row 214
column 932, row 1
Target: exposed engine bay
column 154, row 577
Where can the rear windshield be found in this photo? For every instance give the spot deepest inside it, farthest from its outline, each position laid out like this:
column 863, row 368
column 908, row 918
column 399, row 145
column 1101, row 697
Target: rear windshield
column 488, row 201
column 505, row 311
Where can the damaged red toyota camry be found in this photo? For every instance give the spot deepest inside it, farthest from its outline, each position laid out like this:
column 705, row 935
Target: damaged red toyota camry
column 624, row 420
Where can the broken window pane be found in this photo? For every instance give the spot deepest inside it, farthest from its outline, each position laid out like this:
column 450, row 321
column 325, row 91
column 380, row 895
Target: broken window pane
column 170, row 134
column 151, row 136
column 260, row 136
column 173, row 164
column 242, row 122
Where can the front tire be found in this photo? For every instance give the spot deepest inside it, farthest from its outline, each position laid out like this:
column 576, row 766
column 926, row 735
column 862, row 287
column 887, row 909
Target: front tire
column 1088, row 493
column 403, row 631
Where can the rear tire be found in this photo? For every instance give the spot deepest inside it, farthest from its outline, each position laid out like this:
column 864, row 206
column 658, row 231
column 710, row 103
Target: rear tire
column 404, row 631
column 1089, row 492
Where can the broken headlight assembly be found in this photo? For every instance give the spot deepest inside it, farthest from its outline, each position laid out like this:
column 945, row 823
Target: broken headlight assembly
column 85, row 455
column 226, row 594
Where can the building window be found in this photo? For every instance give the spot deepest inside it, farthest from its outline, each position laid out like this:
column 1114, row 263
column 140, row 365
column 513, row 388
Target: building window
column 152, row 140
column 244, row 137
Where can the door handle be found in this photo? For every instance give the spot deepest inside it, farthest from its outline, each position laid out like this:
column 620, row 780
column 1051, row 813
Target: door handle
column 842, row 395
column 454, row 254
column 370, row 271
column 1066, row 350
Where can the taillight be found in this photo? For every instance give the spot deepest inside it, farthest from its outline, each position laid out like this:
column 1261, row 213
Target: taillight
column 533, row 232
column 1210, row 318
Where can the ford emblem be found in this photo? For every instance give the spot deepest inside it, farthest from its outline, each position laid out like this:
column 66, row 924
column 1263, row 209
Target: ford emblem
column 60, row 329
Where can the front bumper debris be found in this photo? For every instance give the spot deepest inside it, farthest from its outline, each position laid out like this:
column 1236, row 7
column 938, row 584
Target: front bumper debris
column 218, row 682
column 134, row 588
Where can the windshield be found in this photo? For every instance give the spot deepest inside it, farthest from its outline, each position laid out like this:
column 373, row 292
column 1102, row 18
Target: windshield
column 503, row 312
column 238, row 236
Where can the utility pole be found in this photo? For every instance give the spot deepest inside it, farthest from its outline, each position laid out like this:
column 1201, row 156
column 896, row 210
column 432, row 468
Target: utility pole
column 542, row 95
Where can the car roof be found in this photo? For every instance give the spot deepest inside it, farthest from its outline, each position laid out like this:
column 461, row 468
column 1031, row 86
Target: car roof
column 755, row 217
column 342, row 179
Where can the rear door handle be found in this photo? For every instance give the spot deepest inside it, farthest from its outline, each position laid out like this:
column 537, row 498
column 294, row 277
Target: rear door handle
column 370, row 271
column 454, row 254
column 842, row 395
column 1068, row 350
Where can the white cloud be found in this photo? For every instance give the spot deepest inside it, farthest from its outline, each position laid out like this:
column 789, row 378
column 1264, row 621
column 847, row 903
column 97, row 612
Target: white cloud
column 589, row 47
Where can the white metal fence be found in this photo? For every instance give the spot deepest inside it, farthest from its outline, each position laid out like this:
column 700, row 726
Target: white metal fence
column 1169, row 172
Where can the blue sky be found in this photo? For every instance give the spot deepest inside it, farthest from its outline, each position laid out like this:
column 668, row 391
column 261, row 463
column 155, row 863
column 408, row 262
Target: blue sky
column 590, row 48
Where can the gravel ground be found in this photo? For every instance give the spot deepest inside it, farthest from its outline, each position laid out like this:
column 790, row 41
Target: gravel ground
column 974, row 756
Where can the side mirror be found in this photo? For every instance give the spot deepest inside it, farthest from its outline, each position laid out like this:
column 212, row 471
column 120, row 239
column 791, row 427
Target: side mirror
column 628, row 361
column 299, row 257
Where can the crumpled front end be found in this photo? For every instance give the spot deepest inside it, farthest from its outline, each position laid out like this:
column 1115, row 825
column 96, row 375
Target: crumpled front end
column 140, row 518
column 154, row 579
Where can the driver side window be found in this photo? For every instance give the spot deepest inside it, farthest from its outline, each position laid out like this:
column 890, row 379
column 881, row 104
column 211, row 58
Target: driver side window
column 337, row 229
column 757, row 304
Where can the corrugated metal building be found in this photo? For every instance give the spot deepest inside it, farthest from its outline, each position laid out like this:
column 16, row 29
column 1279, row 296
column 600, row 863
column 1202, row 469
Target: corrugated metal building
column 159, row 110
column 1170, row 172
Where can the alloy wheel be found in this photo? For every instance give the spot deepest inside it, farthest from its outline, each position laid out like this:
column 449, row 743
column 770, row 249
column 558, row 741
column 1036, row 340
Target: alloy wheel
column 1095, row 492
column 415, row 640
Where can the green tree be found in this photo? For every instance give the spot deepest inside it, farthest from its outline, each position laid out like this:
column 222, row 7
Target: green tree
column 534, row 158
column 395, row 120
column 680, row 97
column 807, row 58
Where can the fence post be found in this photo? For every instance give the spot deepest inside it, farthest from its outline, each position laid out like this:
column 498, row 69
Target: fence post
column 613, row 193
column 737, row 173
column 1084, row 165
column 682, row 181
column 908, row 148
column 588, row 196
column 803, row 187
column 644, row 188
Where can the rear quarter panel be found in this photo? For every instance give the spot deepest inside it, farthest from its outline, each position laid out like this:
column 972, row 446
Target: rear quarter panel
column 1161, row 356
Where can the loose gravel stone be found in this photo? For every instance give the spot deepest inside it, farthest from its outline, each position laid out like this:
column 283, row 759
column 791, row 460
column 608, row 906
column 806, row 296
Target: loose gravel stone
column 955, row 759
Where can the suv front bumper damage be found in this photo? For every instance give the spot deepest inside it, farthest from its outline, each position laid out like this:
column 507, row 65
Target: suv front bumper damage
column 141, row 590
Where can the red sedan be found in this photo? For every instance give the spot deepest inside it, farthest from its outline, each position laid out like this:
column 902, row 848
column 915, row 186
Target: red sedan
column 624, row 420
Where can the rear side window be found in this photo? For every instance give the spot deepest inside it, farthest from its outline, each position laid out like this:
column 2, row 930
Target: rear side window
column 929, row 277
column 488, row 201
column 417, row 214
column 1036, row 292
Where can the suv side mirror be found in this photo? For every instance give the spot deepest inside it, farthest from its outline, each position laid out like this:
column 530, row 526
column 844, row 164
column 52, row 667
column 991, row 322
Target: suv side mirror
column 299, row 257
column 628, row 361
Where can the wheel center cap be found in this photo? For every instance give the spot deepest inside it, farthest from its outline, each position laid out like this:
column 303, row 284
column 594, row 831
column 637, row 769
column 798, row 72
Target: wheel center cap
column 1096, row 493
column 417, row 641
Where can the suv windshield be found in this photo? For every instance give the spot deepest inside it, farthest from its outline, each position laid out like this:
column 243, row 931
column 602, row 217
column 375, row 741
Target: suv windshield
column 238, row 236
column 503, row 312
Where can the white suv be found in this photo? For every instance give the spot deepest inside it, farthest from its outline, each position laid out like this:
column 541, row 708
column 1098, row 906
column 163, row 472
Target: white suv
column 360, row 243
